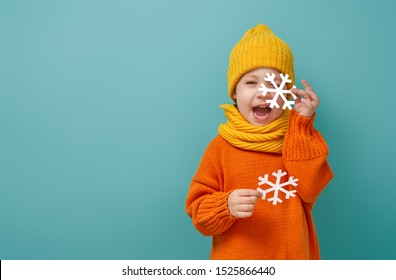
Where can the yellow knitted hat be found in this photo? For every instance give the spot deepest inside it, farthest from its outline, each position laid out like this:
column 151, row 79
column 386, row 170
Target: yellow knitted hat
column 259, row 47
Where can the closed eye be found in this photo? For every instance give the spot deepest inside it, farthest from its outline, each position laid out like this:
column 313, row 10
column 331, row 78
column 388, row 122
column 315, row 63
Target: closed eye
column 270, row 85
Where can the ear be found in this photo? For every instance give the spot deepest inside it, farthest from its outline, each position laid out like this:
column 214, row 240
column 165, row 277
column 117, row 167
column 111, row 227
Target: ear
column 234, row 95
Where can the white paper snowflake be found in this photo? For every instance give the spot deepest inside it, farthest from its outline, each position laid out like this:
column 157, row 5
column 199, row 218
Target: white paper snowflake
column 279, row 91
column 277, row 186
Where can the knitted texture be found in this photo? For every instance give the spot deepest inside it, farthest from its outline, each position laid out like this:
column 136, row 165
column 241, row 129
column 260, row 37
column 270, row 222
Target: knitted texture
column 242, row 134
column 259, row 47
column 282, row 231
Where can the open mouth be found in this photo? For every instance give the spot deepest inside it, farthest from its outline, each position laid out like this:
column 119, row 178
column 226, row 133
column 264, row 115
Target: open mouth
column 261, row 112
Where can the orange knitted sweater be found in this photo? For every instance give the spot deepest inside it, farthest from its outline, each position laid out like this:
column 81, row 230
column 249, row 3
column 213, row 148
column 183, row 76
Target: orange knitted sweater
column 281, row 231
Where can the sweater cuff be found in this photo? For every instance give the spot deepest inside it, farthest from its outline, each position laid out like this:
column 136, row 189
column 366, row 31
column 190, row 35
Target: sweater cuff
column 214, row 213
column 301, row 125
column 302, row 140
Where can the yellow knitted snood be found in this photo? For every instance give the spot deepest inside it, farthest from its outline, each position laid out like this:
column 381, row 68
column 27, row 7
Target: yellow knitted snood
column 242, row 134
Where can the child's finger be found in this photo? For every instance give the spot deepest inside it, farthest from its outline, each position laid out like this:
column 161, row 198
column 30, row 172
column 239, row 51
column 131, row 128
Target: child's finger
column 308, row 89
column 245, row 208
column 247, row 199
column 300, row 92
column 242, row 215
column 308, row 94
column 306, row 85
column 248, row 192
column 308, row 104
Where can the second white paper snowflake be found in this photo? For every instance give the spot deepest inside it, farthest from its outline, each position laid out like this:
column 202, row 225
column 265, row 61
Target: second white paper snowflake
column 277, row 186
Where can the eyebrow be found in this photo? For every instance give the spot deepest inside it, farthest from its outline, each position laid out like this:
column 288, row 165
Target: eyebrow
column 276, row 80
column 252, row 76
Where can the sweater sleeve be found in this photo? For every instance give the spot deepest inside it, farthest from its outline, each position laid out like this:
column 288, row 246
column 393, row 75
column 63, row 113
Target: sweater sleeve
column 305, row 156
column 206, row 203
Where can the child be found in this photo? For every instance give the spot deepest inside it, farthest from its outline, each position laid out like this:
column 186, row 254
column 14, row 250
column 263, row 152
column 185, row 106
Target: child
column 229, row 197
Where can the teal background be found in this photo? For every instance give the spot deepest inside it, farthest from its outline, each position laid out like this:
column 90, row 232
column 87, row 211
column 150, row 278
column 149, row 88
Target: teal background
column 107, row 106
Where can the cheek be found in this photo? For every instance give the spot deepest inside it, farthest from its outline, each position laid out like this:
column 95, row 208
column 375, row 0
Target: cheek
column 277, row 112
column 280, row 100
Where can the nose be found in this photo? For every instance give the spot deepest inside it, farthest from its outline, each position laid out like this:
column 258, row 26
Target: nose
column 263, row 95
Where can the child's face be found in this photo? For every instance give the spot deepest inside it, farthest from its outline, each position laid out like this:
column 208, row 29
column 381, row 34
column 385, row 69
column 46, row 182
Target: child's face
column 251, row 103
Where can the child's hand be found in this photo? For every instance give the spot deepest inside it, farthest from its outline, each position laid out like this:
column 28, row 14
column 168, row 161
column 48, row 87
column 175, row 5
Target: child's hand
column 241, row 202
column 305, row 106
